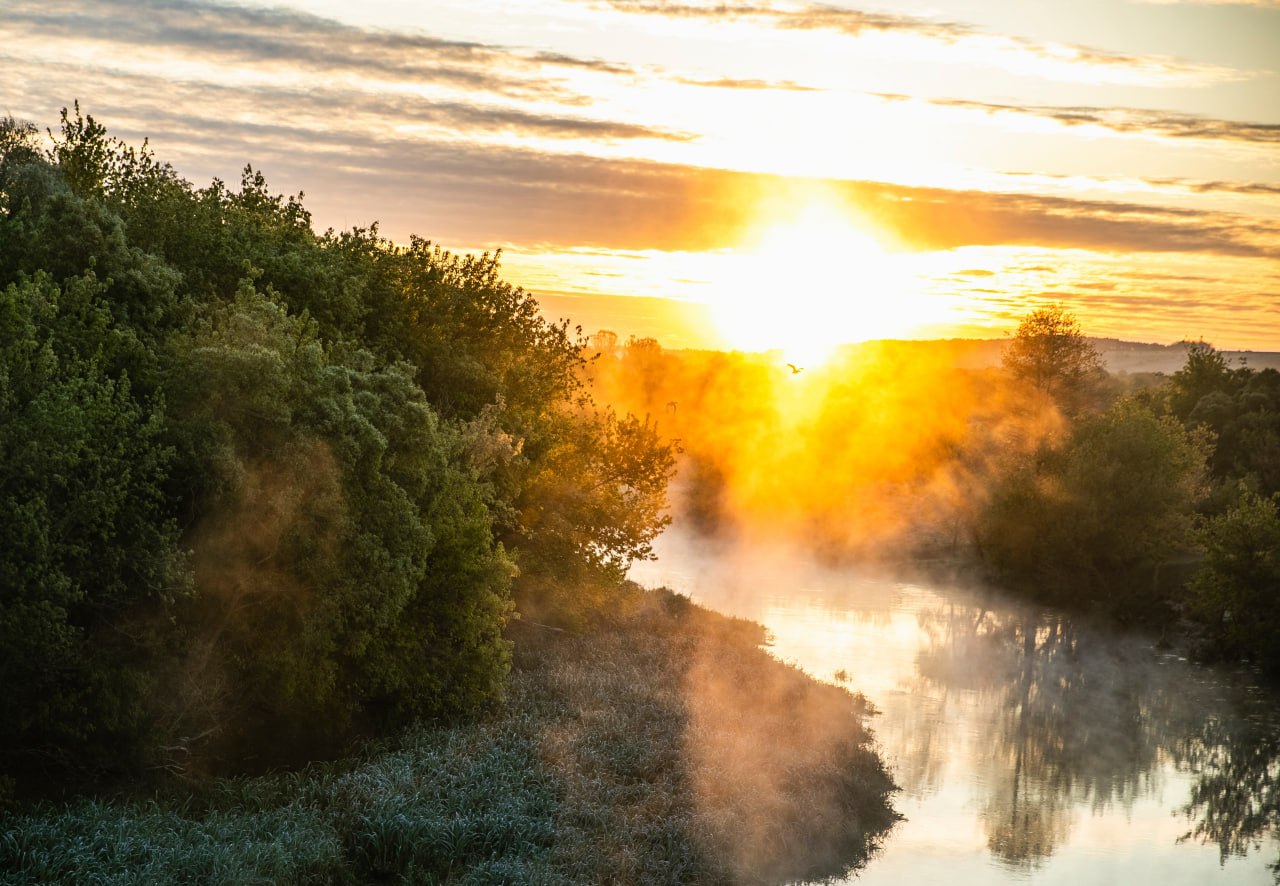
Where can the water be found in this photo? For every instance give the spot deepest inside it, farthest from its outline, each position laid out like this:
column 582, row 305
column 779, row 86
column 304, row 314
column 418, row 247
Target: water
column 1030, row 748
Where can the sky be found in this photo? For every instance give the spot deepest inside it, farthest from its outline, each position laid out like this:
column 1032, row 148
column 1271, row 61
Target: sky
column 750, row 175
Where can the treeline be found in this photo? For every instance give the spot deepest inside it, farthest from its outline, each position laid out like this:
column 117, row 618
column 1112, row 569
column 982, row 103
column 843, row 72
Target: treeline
column 1153, row 498
column 263, row 489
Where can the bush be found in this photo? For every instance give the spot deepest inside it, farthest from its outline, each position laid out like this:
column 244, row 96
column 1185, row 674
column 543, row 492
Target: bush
column 88, row 547
column 1236, row 591
column 1112, row 502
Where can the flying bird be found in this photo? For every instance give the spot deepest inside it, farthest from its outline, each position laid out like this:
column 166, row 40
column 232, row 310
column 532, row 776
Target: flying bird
column 795, row 370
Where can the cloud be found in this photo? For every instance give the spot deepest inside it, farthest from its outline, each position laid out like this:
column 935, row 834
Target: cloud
column 450, row 168
column 308, row 102
column 400, row 158
column 748, row 84
column 1048, row 59
column 1142, row 121
column 322, row 48
column 812, row 17
column 495, row 195
column 1263, row 4
column 1166, row 184
column 933, row 218
column 1216, row 187
column 311, row 110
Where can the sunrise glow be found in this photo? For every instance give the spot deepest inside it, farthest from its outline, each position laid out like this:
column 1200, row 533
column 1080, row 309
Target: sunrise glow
column 761, row 176
column 811, row 278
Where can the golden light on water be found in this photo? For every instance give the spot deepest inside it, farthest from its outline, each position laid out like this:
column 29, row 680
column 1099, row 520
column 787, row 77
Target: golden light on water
column 813, row 277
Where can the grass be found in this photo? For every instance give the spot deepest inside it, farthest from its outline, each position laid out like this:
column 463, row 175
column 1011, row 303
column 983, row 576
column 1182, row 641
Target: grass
column 662, row 746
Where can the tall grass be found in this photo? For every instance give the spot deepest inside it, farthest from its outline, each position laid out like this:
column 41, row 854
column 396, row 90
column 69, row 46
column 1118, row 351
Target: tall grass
column 660, row 747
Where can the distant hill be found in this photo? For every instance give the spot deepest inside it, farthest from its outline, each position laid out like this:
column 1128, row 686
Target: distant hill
column 680, row 325
column 1126, row 356
column 1118, row 356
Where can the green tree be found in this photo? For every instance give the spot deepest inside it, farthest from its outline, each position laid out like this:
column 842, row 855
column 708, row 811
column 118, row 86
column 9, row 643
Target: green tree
column 344, row 561
column 359, row 442
column 1236, row 592
column 583, row 491
column 1051, row 354
column 1114, row 500
column 1205, row 374
column 1241, row 408
column 89, row 559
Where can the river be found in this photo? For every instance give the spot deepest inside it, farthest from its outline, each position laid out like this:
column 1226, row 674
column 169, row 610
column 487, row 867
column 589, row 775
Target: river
column 1030, row 747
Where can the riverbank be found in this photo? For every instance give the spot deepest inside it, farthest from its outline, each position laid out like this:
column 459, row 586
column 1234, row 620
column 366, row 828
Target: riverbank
column 663, row 745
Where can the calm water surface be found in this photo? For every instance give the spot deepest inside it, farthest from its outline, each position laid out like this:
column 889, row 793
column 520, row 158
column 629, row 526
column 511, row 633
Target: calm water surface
column 1030, row 748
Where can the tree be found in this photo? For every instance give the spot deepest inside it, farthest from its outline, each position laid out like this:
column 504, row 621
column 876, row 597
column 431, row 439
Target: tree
column 344, row 559
column 354, row 442
column 89, row 557
column 1112, row 501
column 1050, row 353
column 1241, row 408
column 1205, row 373
column 1236, row 591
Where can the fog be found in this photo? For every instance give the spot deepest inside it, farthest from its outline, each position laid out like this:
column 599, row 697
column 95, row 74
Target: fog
column 836, row 505
column 1029, row 745
column 881, row 451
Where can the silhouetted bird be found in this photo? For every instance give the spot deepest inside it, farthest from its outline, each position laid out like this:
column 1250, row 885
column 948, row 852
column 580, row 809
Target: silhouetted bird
column 795, row 370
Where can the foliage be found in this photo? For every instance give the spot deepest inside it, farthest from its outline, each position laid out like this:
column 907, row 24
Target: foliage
column 1236, row 592
column 339, row 447
column 584, row 777
column 1241, row 407
column 1206, row 372
column 1051, row 354
column 1114, row 499
column 343, row 560
column 88, row 548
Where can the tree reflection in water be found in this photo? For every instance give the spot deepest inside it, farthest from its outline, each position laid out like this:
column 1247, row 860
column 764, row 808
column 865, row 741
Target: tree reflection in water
column 1078, row 718
column 1235, row 801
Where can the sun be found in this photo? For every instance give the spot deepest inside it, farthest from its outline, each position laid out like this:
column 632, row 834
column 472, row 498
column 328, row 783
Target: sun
column 812, row 277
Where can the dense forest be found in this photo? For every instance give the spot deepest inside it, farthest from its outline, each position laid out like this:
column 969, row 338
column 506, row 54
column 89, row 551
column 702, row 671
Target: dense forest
column 263, row 489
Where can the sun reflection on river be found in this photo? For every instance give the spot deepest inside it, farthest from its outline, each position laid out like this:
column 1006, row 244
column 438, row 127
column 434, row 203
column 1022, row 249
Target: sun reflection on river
column 1028, row 748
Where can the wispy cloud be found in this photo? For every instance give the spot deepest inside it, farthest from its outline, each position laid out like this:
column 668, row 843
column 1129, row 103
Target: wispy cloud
column 1142, row 121
column 446, row 164
column 470, row 194
column 744, row 83
column 942, row 219
column 1160, row 186
column 1264, row 4
column 320, row 47
column 1216, row 187
column 1048, row 59
column 311, row 71
column 311, row 109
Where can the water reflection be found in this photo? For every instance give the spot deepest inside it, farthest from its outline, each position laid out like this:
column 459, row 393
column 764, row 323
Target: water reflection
column 1069, row 726
column 1235, row 801
column 1029, row 745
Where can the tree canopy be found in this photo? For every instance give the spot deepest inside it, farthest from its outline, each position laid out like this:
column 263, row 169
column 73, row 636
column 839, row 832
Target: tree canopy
column 1051, row 354
column 262, row 487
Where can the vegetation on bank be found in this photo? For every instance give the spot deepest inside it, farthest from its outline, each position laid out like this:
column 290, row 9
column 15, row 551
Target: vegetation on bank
column 1179, row 477
column 1152, row 498
column 268, row 497
column 662, row 746
column 262, row 490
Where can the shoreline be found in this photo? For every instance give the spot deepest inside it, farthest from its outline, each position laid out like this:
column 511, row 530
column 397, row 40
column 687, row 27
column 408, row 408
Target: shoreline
column 661, row 743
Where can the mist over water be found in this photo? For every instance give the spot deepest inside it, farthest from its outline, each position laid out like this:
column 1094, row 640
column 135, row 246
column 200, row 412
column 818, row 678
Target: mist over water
column 1030, row 747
